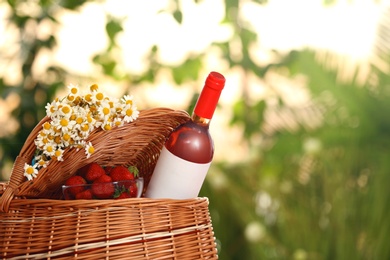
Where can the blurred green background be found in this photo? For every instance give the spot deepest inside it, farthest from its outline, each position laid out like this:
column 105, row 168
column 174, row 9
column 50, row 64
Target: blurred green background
column 302, row 134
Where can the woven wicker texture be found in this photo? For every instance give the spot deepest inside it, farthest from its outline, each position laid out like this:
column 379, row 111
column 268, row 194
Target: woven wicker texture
column 115, row 229
column 137, row 143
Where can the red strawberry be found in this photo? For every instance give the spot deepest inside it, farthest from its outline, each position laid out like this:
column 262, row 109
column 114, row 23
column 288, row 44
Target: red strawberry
column 83, row 171
column 84, row 195
column 93, row 172
column 133, row 190
column 103, row 188
column 121, row 173
column 108, row 169
column 76, row 184
column 124, row 195
column 103, row 178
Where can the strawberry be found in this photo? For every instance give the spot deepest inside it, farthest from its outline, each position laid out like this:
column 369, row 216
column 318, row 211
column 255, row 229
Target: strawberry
column 84, row 195
column 123, row 195
column 121, row 173
column 108, row 169
column 133, row 190
column 93, row 172
column 76, row 184
column 103, row 188
column 103, row 178
column 126, row 189
column 83, row 171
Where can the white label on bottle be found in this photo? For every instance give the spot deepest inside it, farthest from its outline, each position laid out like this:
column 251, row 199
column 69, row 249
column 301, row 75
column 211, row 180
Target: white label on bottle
column 176, row 178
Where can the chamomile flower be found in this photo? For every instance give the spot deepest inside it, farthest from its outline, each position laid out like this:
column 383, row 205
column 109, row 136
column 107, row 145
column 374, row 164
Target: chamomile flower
column 128, row 99
column 97, row 97
column 73, row 89
column 65, row 111
column 30, row 171
column 104, row 110
column 41, row 161
column 41, row 140
column 49, row 149
column 118, row 122
column 107, row 125
column 85, row 129
column 130, row 113
column 63, row 124
column 89, row 149
column 52, row 108
column 58, row 154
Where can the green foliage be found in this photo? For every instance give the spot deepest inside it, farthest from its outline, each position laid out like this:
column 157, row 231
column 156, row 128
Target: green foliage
column 320, row 194
column 188, row 71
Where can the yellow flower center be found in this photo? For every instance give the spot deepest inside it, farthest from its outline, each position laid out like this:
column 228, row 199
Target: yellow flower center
column 91, row 150
column 92, row 109
column 79, row 120
column 30, row 170
column 107, row 127
column 70, row 98
column 129, row 112
column 77, row 100
column 88, row 97
column 64, row 122
column 84, row 127
column 99, row 96
column 66, row 137
column 65, row 109
column 41, row 162
column 47, row 126
column 74, row 90
column 94, row 87
column 57, row 139
column 57, row 153
column 106, row 111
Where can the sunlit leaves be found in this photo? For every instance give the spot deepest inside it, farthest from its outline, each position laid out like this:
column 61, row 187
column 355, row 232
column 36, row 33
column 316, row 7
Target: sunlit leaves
column 71, row 4
column 106, row 61
column 189, row 70
column 178, row 15
column 113, row 27
column 249, row 116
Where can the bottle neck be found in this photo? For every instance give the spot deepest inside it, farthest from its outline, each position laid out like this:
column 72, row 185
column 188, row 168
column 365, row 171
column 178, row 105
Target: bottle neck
column 209, row 96
column 200, row 120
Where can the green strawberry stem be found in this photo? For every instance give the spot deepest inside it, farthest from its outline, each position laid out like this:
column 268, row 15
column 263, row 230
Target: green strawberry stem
column 133, row 169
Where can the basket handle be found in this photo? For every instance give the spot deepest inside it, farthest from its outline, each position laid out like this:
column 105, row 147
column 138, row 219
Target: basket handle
column 17, row 177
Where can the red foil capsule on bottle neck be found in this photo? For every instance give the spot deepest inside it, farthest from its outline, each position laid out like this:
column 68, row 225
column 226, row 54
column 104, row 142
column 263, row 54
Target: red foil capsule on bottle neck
column 208, row 99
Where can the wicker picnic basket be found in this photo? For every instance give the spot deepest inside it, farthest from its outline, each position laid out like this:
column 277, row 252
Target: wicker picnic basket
column 36, row 223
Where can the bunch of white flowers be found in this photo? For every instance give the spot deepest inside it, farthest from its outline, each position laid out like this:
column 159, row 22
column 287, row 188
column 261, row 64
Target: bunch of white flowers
column 72, row 120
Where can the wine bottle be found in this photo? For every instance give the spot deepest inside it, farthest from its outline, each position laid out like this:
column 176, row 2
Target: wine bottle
column 188, row 151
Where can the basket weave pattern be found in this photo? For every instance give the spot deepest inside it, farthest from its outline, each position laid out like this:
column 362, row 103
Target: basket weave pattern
column 36, row 224
column 134, row 229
